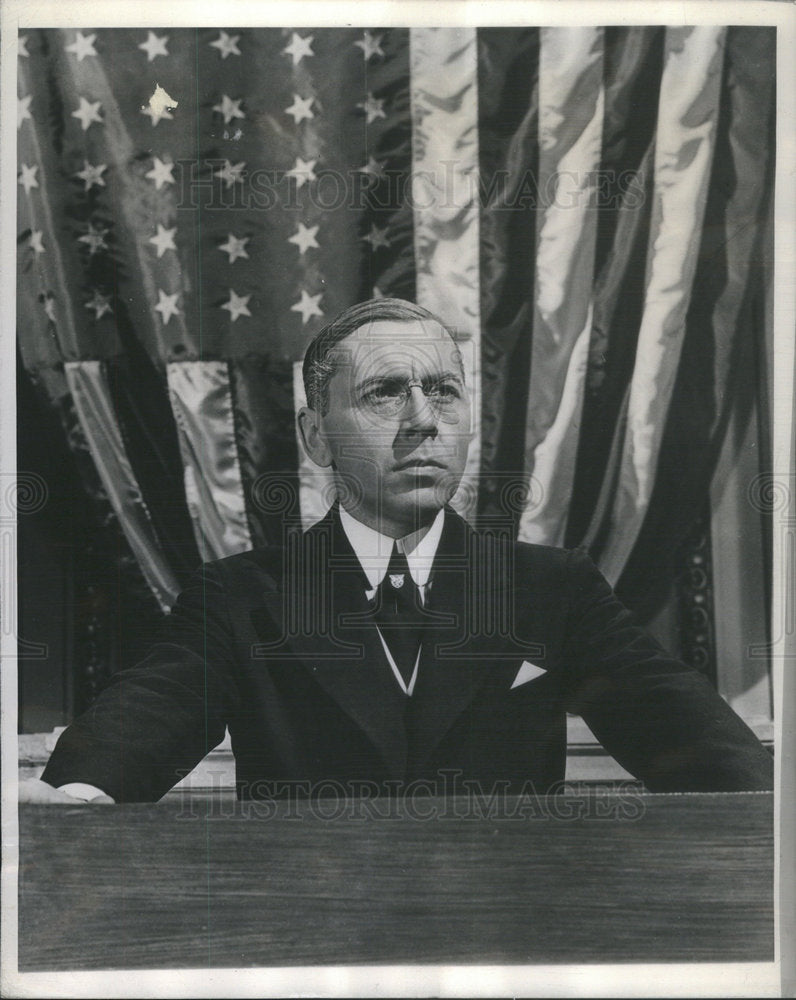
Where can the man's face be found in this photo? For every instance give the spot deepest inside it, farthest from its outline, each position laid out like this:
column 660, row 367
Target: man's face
column 397, row 426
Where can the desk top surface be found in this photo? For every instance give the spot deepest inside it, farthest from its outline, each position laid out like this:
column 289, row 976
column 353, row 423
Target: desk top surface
column 592, row 877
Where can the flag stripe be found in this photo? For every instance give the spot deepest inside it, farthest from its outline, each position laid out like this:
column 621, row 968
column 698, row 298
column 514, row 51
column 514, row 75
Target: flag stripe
column 508, row 149
column 632, row 71
column 543, row 519
column 202, row 404
column 444, row 81
column 633, row 66
column 618, row 307
column 687, row 113
column 146, row 425
column 94, row 407
column 262, row 399
column 571, row 101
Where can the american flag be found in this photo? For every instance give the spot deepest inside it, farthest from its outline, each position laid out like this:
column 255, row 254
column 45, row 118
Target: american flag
column 586, row 207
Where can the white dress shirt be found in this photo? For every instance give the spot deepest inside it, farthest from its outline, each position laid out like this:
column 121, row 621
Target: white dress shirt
column 373, row 550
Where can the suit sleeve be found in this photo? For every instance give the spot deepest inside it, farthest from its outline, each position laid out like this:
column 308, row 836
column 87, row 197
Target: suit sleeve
column 660, row 719
column 156, row 721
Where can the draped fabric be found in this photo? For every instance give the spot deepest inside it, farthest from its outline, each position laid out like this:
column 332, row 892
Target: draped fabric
column 202, row 402
column 92, row 399
column 583, row 206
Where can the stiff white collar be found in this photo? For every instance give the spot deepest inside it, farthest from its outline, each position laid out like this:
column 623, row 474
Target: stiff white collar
column 373, row 549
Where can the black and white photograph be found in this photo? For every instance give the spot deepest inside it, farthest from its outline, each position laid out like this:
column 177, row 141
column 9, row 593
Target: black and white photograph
column 398, row 499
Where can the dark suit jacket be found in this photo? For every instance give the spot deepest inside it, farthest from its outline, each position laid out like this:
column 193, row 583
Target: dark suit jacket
column 278, row 645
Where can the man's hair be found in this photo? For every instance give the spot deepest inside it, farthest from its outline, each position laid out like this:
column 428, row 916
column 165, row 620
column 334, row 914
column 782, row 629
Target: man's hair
column 319, row 362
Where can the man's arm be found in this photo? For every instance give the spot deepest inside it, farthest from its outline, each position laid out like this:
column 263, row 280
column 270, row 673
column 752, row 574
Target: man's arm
column 663, row 721
column 155, row 722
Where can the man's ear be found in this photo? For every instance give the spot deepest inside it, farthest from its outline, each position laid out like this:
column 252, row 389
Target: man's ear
column 312, row 437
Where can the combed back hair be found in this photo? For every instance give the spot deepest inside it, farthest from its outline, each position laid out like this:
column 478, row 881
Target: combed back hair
column 319, row 363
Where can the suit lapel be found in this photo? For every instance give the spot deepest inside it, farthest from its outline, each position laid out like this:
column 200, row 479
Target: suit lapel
column 458, row 654
column 326, row 626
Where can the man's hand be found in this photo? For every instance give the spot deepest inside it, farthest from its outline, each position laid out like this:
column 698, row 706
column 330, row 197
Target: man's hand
column 35, row 790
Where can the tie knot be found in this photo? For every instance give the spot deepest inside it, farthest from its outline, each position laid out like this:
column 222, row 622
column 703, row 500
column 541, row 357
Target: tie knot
column 398, row 594
column 397, row 576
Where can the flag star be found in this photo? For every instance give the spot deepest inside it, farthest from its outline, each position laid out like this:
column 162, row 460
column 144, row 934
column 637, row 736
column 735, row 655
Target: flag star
column 95, row 239
column 91, row 174
column 159, row 106
column 154, row 46
column 164, row 240
column 88, row 112
column 82, row 46
column 304, row 238
column 49, row 307
column 373, row 108
column 370, row 45
column 226, row 44
column 235, row 247
column 307, row 306
column 36, row 241
column 303, row 171
column 22, row 45
column 229, row 108
column 300, row 109
column 23, row 109
column 157, row 112
column 230, row 173
column 161, row 173
column 374, row 168
column 376, row 237
column 237, row 305
column 167, row 305
column 100, row 304
column 299, row 47
column 27, row 177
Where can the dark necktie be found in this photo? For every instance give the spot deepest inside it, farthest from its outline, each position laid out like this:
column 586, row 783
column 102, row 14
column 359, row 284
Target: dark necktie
column 397, row 610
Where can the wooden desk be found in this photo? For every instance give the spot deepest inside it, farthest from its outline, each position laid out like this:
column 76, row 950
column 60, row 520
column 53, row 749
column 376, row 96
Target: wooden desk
column 594, row 878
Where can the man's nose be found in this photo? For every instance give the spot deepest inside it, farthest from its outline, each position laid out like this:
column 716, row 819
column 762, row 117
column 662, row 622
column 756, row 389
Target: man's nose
column 418, row 413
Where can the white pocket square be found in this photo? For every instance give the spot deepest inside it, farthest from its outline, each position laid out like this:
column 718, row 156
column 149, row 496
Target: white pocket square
column 527, row 672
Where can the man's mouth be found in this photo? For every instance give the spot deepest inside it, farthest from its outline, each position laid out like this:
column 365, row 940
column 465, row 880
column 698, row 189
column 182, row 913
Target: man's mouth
column 419, row 463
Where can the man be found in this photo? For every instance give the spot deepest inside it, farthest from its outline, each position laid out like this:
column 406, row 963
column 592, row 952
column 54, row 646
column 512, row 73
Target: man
column 391, row 643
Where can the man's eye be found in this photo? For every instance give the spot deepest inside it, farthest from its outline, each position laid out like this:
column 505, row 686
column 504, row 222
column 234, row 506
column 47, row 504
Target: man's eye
column 445, row 390
column 383, row 392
